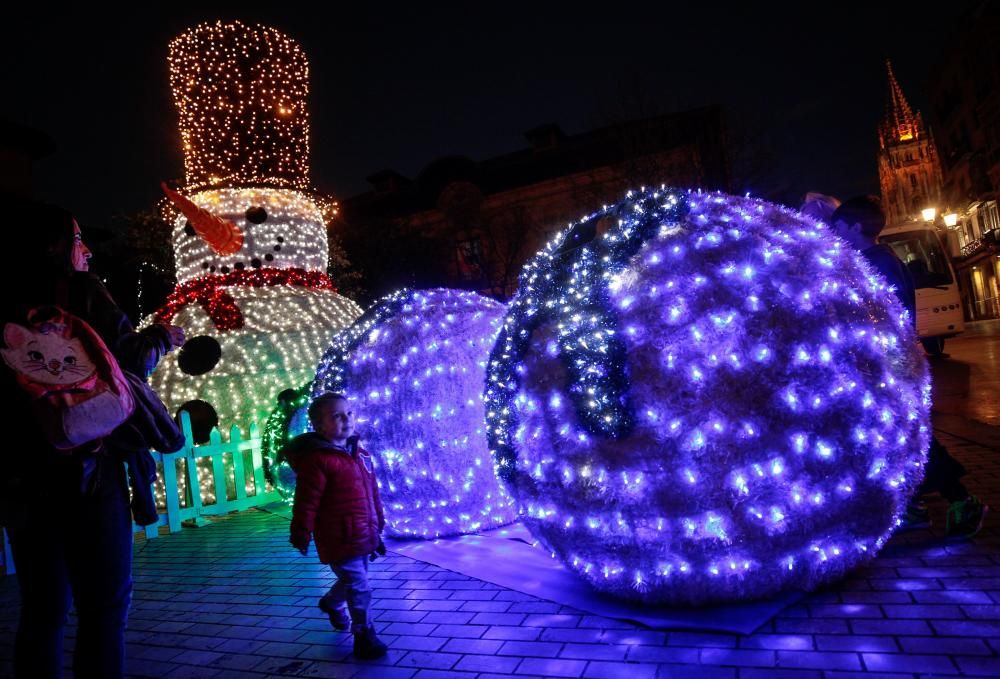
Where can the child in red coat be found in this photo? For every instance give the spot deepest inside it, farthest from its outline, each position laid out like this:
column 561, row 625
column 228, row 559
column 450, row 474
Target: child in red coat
column 337, row 504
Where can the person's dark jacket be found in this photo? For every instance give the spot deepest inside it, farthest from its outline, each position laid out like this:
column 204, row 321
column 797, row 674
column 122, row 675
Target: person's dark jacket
column 336, row 500
column 137, row 351
column 882, row 257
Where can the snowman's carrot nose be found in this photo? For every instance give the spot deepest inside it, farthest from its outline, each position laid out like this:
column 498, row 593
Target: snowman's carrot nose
column 224, row 237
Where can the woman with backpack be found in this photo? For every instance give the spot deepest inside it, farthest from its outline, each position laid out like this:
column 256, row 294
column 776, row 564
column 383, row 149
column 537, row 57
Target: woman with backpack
column 64, row 497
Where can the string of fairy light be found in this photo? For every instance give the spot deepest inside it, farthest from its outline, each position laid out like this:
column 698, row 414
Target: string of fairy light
column 241, row 93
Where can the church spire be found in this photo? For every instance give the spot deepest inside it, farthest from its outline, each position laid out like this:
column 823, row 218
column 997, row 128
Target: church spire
column 908, row 166
column 899, row 123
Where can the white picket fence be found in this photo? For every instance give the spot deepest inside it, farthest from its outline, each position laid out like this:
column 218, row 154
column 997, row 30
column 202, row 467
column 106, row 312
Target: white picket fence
column 182, row 490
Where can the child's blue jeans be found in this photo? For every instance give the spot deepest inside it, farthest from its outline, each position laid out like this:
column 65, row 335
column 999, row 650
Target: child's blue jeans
column 351, row 587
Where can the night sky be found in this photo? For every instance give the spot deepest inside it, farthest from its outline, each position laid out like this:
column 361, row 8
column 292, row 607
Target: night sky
column 400, row 86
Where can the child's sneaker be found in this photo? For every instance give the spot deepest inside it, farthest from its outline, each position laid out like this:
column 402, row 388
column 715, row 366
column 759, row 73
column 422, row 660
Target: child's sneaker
column 367, row 646
column 965, row 517
column 340, row 618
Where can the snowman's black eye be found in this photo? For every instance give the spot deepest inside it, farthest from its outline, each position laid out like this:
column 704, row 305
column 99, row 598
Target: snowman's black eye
column 256, row 215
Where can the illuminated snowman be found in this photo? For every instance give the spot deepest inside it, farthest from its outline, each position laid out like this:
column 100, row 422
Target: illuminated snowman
column 250, row 239
column 714, row 399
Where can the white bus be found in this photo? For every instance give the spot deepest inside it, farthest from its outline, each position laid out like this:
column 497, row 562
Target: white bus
column 939, row 305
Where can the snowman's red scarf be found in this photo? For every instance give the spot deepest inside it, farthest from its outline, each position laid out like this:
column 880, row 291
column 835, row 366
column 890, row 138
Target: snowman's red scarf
column 209, row 291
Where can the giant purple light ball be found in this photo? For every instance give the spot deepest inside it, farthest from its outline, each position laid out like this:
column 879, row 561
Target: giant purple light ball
column 714, row 399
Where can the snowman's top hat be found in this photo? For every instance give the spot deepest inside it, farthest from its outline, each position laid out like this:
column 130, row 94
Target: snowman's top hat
column 241, row 94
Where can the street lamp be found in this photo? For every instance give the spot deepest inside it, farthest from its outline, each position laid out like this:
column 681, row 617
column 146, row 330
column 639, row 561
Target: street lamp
column 930, row 215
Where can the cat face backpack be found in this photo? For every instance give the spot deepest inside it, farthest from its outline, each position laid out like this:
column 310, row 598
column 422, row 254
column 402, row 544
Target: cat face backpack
column 73, row 383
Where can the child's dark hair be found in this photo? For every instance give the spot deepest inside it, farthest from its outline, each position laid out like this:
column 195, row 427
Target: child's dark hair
column 863, row 210
column 320, row 401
